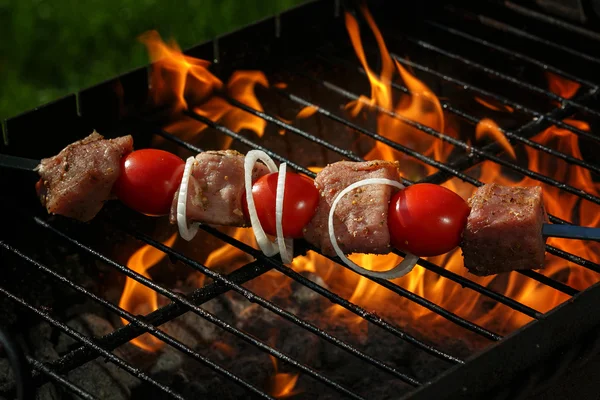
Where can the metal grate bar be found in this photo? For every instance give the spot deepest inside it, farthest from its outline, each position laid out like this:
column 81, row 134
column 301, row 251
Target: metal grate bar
column 252, row 297
column 443, row 167
column 171, row 311
column 85, row 340
column 432, row 132
column 510, row 53
column 457, row 278
column 140, row 322
column 71, row 387
column 551, row 20
column 248, row 142
column 426, row 304
column 184, row 300
column 491, row 22
column 540, row 278
column 334, row 298
column 561, row 287
column 474, row 120
column 501, row 99
column 500, row 75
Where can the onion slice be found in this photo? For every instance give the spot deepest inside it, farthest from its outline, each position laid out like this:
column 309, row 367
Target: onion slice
column 286, row 246
column 267, row 247
column 410, row 260
column 185, row 230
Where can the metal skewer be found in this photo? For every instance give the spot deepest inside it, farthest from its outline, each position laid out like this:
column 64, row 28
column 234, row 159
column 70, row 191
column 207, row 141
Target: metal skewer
column 20, row 163
column 571, row 232
column 548, row 230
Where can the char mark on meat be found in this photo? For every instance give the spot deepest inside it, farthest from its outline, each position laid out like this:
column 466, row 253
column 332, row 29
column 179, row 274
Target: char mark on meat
column 216, row 188
column 77, row 181
column 504, row 230
column 360, row 219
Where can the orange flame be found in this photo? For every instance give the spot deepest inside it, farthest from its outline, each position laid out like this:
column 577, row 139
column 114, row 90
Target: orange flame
column 493, row 106
column 185, row 83
column 282, row 384
column 307, row 111
column 422, row 106
column 562, row 86
column 140, row 299
column 487, row 127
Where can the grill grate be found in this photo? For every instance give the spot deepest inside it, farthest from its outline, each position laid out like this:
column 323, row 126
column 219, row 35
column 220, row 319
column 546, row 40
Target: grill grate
column 91, row 348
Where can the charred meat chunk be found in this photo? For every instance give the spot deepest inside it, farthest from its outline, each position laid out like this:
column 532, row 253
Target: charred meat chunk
column 76, row 182
column 504, row 230
column 360, row 219
column 216, row 188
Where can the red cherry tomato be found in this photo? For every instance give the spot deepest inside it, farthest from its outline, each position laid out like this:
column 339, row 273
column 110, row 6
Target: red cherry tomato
column 426, row 219
column 299, row 203
column 148, row 181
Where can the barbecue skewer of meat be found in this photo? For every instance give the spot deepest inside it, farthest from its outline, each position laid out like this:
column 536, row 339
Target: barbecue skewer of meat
column 77, row 181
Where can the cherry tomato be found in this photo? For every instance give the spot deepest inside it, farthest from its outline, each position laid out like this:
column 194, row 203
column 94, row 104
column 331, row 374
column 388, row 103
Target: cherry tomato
column 148, row 181
column 426, row 219
column 299, row 203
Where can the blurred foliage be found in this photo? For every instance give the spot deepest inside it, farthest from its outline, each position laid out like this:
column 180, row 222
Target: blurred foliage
column 51, row 48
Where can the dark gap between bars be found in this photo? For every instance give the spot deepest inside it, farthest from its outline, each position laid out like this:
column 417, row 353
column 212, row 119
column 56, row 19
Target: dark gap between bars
column 184, row 300
column 547, row 19
column 473, row 64
column 504, row 27
column 53, row 376
column 154, row 331
column 510, row 53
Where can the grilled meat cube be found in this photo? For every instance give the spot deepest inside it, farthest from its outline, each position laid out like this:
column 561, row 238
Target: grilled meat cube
column 216, row 188
column 76, row 182
column 504, row 230
column 360, row 219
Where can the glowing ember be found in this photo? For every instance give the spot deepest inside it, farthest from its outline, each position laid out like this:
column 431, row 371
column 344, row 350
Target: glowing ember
column 282, row 385
column 139, row 299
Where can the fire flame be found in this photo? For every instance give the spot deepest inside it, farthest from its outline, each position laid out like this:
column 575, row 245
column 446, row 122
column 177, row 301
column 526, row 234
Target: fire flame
column 487, row 127
column 140, row 299
column 282, row 384
column 185, row 83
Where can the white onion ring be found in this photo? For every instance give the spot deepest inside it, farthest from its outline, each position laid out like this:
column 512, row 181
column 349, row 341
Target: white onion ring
column 286, row 246
column 185, row 230
column 267, row 247
column 399, row 270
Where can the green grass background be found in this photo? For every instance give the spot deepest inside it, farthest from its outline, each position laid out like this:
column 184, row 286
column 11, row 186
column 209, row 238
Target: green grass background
column 51, row 48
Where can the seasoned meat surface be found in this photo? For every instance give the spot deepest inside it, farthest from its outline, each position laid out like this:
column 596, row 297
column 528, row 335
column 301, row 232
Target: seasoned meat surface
column 216, row 188
column 360, row 219
column 76, row 182
column 504, row 230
